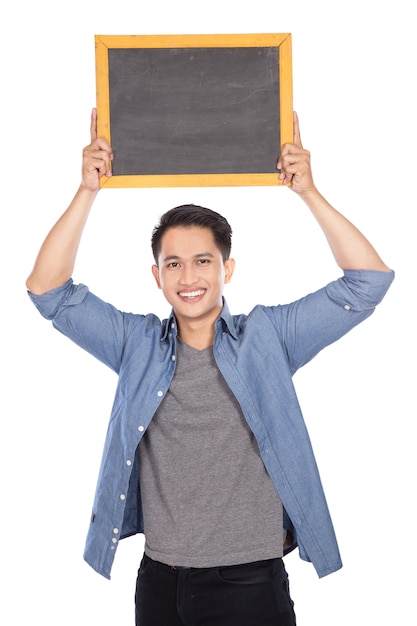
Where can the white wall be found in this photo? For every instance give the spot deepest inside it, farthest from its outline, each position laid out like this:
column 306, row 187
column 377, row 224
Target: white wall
column 354, row 84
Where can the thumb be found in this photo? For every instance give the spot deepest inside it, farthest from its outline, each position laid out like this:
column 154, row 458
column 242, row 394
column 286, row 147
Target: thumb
column 297, row 135
column 93, row 125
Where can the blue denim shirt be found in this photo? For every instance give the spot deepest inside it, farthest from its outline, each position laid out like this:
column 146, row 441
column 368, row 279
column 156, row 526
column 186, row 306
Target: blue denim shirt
column 257, row 354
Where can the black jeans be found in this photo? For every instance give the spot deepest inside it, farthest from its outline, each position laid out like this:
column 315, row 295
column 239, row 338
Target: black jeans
column 252, row 594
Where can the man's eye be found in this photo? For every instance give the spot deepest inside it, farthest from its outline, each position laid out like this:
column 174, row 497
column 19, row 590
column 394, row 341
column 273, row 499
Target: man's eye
column 204, row 261
column 173, row 264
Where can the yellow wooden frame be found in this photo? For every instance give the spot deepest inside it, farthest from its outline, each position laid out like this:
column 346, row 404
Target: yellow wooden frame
column 105, row 42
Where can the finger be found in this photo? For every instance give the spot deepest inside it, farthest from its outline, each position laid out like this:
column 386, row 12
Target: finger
column 286, row 179
column 101, row 144
column 102, row 163
column 295, row 165
column 93, row 125
column 100, row 149
column 290, row 154
column 288, row 147
column 97, row 159
column 297, row 135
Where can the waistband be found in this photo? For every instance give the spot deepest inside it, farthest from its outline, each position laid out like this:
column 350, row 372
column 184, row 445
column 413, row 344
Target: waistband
column 171, row 566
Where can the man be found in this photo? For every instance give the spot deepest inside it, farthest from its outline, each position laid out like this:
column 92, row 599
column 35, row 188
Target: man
column 207, row 452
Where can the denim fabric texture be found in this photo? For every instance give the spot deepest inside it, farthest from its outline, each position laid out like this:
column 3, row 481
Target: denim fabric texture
column 253, row 594
column 258, row 355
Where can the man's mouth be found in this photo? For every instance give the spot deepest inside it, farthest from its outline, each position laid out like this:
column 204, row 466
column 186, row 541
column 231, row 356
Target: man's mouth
column 191, row 294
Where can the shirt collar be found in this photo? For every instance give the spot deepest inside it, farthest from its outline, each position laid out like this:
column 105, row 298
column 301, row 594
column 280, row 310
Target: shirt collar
column 225, row 321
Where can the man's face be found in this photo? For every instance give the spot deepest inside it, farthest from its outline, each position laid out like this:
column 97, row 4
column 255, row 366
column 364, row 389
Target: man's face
column 192, row 274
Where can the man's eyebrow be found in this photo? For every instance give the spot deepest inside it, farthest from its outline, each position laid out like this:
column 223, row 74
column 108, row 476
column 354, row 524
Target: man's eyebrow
column 199, row 255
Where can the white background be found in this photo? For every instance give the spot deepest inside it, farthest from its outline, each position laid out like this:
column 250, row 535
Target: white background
column 354, row 89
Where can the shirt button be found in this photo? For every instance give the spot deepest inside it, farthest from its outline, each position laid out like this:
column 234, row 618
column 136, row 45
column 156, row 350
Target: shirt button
column 160, row 393
column 346, row 307
column 173, row 357
column 128, row 462
column 115, row 531
column 122, row 496
column 141, row 429
column 114, row 540
column 172, row 325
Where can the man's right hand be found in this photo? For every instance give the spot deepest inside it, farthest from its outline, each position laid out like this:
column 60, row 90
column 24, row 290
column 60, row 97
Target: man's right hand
column 97, row 158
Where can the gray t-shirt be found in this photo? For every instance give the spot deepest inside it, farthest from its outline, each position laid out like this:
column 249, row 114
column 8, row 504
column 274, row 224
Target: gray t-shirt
column 207, row 498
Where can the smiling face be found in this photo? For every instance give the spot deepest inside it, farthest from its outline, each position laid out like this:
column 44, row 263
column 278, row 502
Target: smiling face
column 192, row 274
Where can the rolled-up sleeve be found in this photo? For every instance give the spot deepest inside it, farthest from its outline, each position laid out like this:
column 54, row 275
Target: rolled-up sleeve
column 94, row 325
column 50, row 303
column 321, row 318
column 360, row 290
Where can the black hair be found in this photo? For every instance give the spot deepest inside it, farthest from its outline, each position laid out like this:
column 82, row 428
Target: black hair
column 188, row 215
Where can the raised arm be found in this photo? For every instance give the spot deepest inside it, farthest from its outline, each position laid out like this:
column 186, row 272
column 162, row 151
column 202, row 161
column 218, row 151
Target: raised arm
column 55, row 262
column 351, row 250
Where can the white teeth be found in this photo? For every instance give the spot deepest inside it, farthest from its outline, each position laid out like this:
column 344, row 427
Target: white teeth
column 191, row 294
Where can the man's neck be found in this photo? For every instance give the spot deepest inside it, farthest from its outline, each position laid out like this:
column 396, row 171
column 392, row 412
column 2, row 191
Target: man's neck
column 197, row 338
column 197, row 333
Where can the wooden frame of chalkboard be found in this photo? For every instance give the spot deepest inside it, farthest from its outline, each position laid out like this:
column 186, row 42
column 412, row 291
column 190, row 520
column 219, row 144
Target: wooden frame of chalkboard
column 194, row 110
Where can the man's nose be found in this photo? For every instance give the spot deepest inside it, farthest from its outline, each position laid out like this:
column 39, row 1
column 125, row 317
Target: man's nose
column 188, row 275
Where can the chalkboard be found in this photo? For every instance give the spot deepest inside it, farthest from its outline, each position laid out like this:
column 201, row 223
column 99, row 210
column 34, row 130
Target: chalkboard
column 192, row 110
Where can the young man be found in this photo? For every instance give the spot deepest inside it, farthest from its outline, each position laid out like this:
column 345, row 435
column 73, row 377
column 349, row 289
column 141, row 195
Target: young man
column 207, row 452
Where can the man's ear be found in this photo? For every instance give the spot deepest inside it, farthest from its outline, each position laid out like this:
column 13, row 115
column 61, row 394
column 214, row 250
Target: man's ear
column 155, row 272
column 229, row 267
